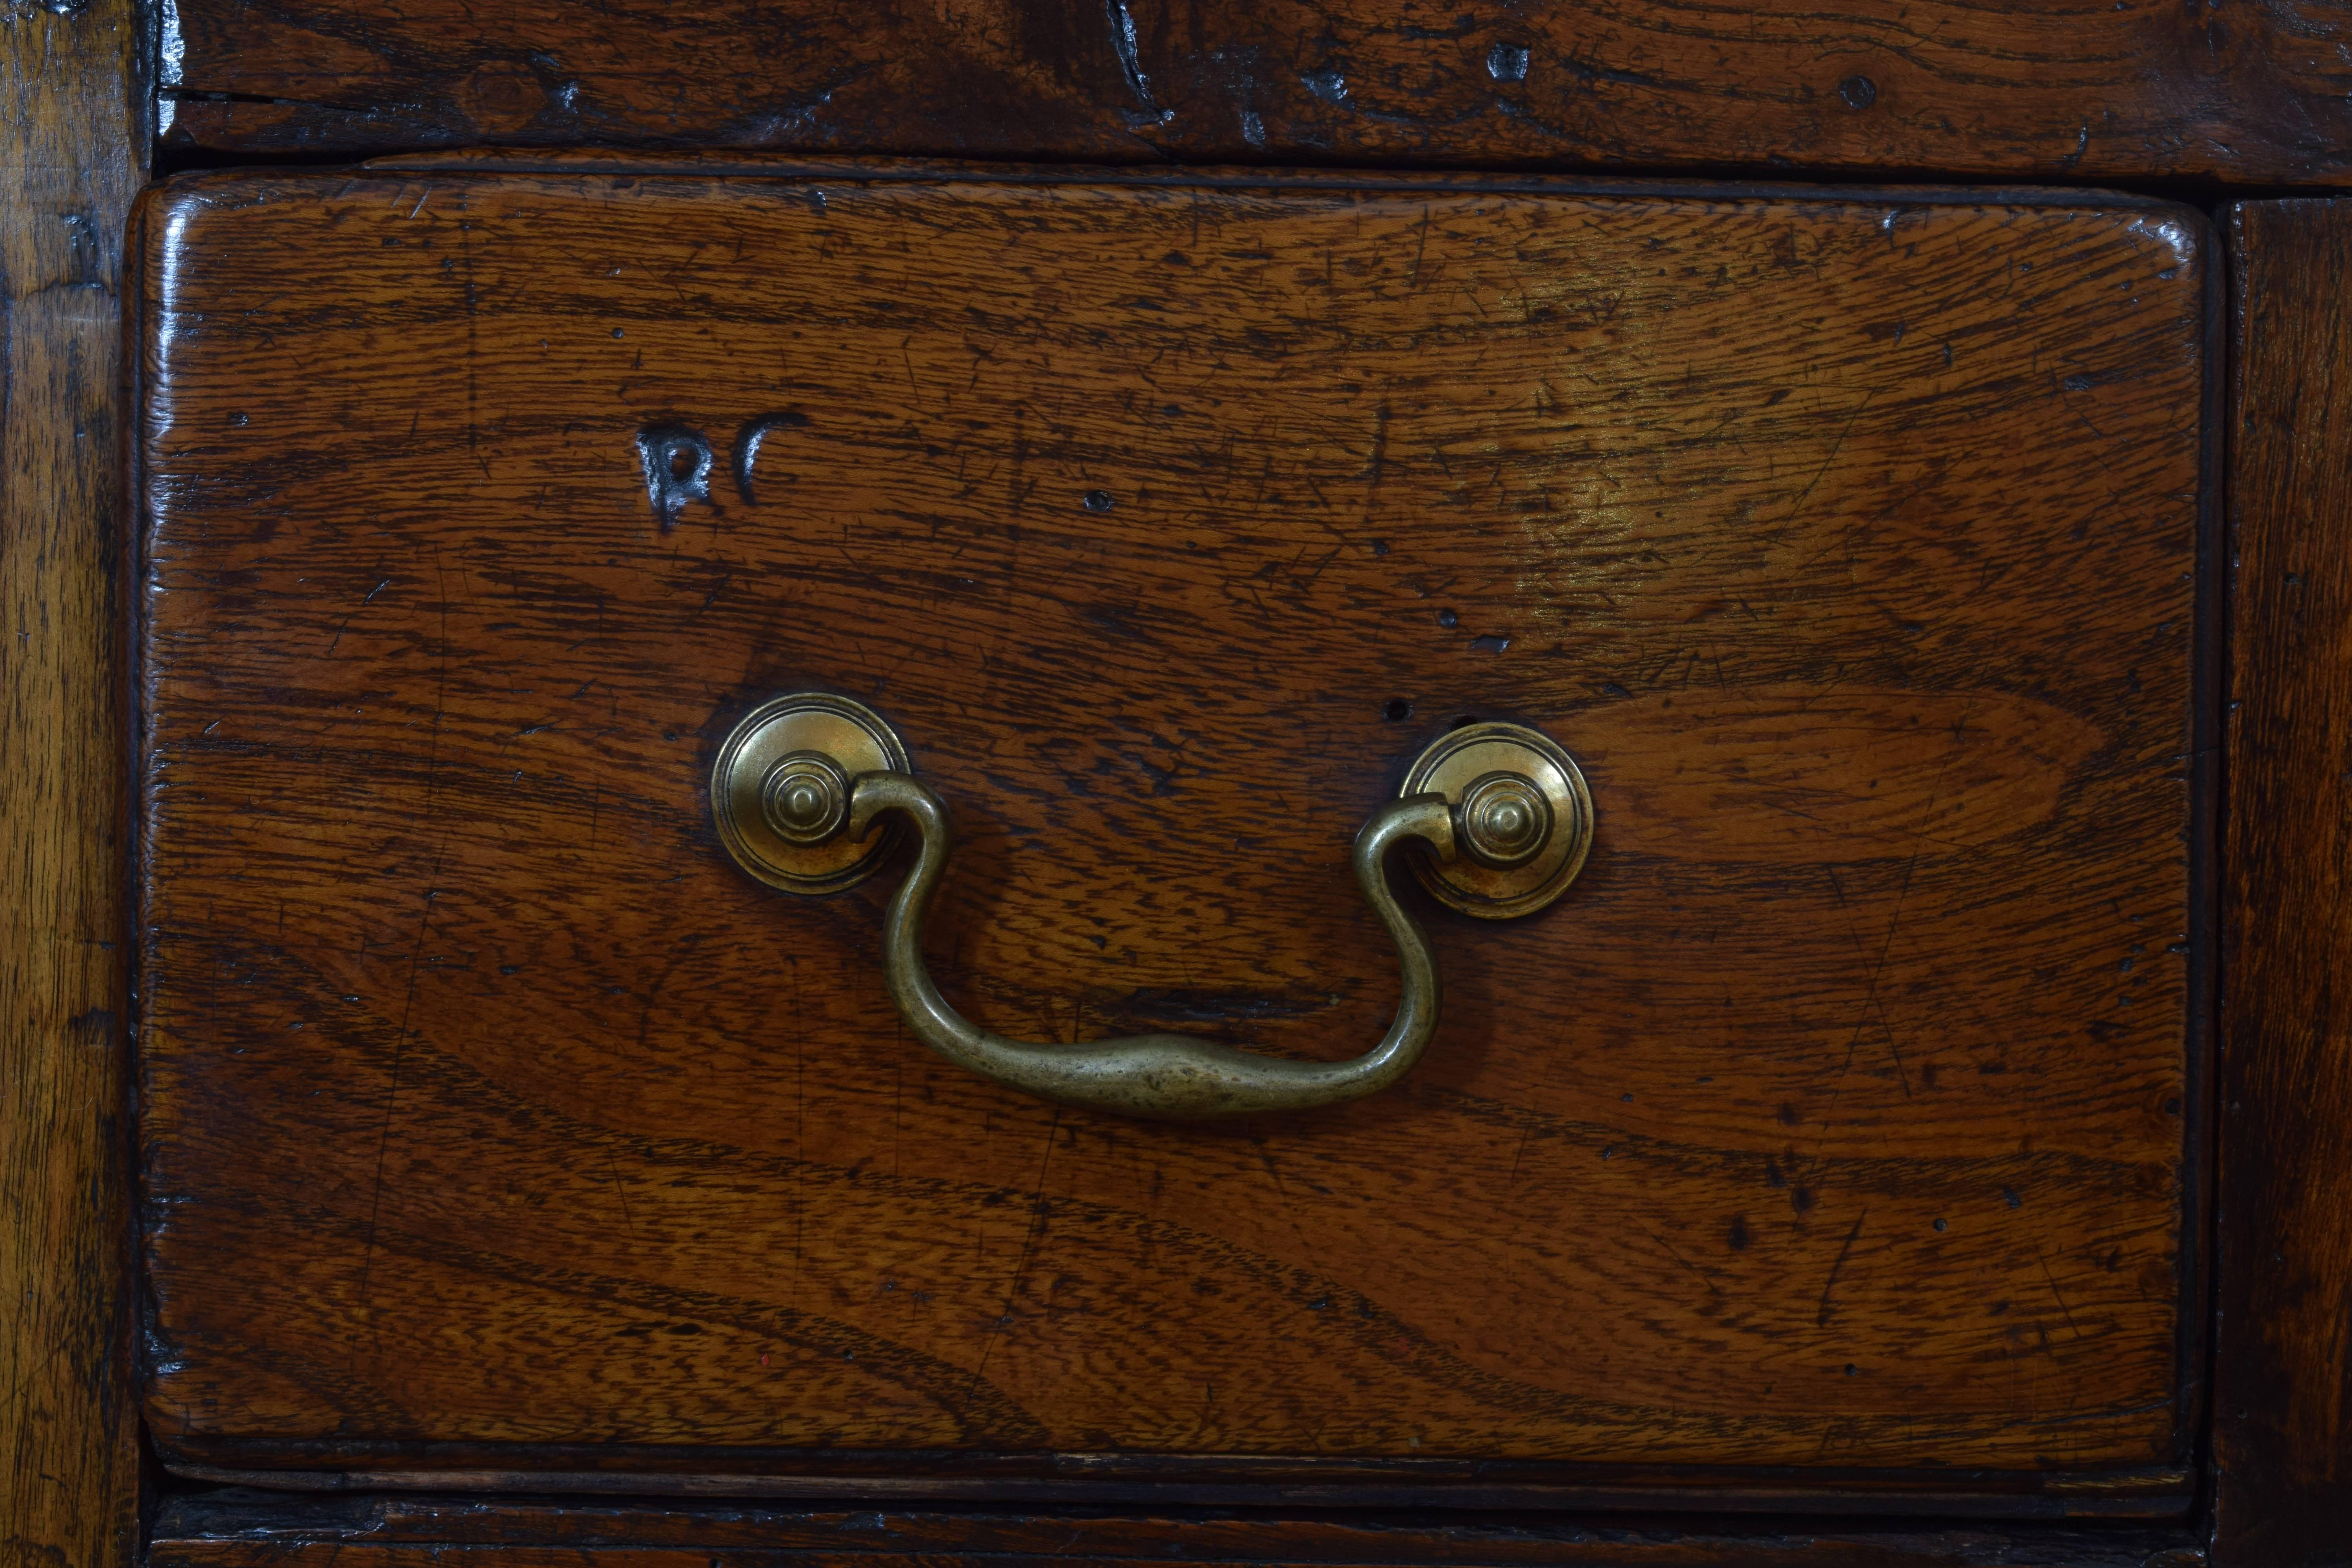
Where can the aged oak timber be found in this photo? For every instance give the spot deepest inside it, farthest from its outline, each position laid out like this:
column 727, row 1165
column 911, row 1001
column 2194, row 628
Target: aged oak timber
column 2283, row 1391
column 68, row 166
column 2131, row 89
column 1840, row 1119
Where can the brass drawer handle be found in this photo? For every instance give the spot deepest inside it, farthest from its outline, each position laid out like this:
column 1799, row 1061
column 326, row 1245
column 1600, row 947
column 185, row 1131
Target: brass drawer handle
column 803, row 785
column 1165, row 1077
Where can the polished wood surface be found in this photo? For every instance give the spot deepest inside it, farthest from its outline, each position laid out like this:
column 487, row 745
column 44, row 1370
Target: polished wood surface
column 1837, row 1118
column 249, row 1530
column 68, row 166
column 2282, row 1389
column 2134, row 89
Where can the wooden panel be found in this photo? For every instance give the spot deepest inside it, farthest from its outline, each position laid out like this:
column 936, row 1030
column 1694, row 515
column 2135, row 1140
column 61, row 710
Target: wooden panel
column 250, row 1530
column 68, row 1469
column 2282, row 1400
column 1835, row 1119
column 2132, row 89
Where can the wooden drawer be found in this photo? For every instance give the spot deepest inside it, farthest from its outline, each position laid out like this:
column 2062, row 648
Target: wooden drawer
column 1836, row 1135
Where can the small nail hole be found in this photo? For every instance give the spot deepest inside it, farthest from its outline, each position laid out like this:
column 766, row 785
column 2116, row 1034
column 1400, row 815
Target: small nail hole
column 1397, row 710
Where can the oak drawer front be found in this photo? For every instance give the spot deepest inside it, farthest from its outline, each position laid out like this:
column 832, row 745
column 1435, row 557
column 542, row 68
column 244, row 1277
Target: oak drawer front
column 1838, row 1118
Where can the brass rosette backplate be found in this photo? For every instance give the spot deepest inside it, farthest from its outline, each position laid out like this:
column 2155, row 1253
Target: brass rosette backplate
column 780, row 791
column 1523, row 818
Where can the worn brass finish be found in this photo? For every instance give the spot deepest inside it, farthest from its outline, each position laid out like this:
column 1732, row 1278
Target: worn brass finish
column 1164, row 1078
column 1504, row 821
column 780, row 791
column 1522, row 814
column 805, row 798
column 803, row 786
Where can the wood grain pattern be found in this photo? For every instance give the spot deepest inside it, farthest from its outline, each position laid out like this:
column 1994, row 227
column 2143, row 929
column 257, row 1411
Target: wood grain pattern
column 2282, row 1393
column 2134, row 89
column 241, row 1529
column 1835, row 1119
column 69, row 1467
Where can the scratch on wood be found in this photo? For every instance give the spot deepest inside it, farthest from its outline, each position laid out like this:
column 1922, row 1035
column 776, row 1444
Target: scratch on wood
column 1827, row 1310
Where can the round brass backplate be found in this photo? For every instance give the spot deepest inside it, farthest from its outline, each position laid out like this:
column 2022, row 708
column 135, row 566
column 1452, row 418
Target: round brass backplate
column 780, row 791
column 1522, row 818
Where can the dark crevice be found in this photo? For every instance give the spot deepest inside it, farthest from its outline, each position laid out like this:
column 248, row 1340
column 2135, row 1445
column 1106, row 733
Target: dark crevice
column 2202, row 192
column 198, row 95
